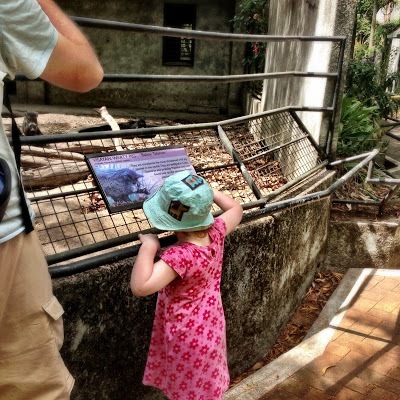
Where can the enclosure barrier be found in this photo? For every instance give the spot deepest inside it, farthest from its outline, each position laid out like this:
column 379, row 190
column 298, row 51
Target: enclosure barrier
column 231, row 37
column 250, row 158
column 385, row 178
column 247, row 157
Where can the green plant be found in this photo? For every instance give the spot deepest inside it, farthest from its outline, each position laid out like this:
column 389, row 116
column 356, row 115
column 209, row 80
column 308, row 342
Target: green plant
column 364, row 82
column 359, row 130
column 368, row 79
column 252, row 17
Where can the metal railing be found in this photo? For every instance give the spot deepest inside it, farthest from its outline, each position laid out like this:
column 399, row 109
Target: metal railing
column 384, row 179
column 249, row 157
column 336, row 76
column 258, row 208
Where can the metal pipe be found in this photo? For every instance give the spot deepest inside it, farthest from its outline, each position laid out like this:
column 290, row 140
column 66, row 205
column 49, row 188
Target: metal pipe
column 201, row 78
column 61, row 194
column 196, row 34
column 69, row 269
column 93, row 248
column 384, row 180
column 76, row 267
column 235, row 155
column 97, row 261
column 370, row 169
column 350, row 159
column 392, row 135
column 335, row 100
column 316, row 145
column 76, row 136
column 273, row 149
column 213, row 78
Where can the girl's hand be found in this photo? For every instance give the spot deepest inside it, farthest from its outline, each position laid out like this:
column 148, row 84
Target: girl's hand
column 232, row 210
column 150, row 240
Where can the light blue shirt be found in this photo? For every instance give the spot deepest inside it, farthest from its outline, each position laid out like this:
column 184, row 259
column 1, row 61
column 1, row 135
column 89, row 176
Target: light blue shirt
column 27, row 39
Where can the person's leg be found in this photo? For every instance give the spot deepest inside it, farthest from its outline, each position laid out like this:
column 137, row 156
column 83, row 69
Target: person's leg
column 31, row 327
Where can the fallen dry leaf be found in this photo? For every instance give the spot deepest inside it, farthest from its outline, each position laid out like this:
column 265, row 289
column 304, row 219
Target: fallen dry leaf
column 257, row 366
column 306, row 314
column 326, row 368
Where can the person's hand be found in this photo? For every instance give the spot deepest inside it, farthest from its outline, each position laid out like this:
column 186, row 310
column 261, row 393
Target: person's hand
column 150, row 239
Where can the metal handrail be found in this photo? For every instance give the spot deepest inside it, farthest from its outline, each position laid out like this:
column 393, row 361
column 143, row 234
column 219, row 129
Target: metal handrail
column 266, row 209
column 202, row 78
column 58, row 138
column 381, row 204
column 223, row 36
column 196, row 34
column 95, row 261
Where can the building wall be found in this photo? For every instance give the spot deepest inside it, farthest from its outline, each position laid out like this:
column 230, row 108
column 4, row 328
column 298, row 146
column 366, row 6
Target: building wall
column 388, row 13
column 306, row 18
column 138, row 53
column 363, row 244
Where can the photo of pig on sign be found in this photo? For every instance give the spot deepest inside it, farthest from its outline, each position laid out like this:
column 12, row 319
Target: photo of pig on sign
column 126, row 179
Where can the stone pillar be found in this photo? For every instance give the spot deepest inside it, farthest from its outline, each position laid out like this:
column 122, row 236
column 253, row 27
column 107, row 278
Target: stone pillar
column 306, row 18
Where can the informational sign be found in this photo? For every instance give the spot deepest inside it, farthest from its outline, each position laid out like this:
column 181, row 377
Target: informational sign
column 127, row 178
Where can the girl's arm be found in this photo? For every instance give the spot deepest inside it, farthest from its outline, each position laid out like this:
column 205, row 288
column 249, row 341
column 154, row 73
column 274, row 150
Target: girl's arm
column 147, row 276
column 73, row 64
column 232, row 210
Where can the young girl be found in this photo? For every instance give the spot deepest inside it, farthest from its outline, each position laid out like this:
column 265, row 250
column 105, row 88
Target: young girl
column 187, row 359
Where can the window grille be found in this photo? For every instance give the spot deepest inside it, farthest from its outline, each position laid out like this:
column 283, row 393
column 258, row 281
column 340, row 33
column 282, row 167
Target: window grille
column 179, row 51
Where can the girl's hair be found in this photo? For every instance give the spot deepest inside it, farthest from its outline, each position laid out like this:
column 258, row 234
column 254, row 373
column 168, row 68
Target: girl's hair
column 199, row 234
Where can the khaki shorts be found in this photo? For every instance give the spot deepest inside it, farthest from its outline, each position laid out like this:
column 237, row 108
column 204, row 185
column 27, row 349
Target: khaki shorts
column 31, row 326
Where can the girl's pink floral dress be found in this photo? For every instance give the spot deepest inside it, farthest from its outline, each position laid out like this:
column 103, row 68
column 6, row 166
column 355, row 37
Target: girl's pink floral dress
column 187, row 357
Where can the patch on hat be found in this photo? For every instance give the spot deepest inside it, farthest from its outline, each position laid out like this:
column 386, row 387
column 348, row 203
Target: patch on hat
column 176, row 209
column 193, row 181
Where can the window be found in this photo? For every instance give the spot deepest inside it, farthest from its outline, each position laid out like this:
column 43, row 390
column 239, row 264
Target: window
column 179, row 51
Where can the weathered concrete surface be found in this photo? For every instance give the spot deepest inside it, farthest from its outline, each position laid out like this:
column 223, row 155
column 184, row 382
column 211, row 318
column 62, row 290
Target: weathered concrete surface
column 363, row 244
column 268, row 266
column 307, row 18
column 312, row 346
column 124, row 52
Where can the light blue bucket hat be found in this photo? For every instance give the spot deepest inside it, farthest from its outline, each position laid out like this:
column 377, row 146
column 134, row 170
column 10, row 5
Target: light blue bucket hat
column 182, row 203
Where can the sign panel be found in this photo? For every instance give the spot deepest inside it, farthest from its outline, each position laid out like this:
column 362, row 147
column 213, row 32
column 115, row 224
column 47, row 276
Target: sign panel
column 127, row 178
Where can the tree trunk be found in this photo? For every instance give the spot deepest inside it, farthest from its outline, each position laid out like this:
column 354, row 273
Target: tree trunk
column 371, row 49
column 65, row 173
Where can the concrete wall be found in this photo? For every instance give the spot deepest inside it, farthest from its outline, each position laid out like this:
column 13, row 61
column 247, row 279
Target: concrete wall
column 269, row 263
column 137, row 53
column 363, row 244
column 306, row 18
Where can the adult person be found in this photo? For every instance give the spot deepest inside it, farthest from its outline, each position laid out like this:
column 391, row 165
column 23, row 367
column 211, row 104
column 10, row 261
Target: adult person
column 38, row 39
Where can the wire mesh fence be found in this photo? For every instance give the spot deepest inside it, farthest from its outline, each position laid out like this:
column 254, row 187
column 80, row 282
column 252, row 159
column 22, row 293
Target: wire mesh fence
column 72, row 218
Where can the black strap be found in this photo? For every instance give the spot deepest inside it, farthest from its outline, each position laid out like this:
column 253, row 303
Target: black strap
column 16, row 143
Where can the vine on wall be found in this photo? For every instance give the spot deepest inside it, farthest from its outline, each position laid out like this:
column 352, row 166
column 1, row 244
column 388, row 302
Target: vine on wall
column 252, row 18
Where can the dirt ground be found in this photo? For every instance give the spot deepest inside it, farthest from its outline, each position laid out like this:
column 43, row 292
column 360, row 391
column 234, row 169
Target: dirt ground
column 322, row 287
column 51, row 124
